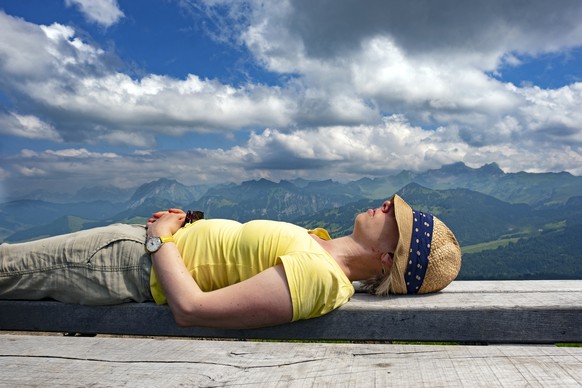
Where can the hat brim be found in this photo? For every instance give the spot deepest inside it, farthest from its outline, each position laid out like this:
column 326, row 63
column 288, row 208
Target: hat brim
column 404, row 220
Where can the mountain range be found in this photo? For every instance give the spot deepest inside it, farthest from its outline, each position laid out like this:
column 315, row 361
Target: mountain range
column 510, row 225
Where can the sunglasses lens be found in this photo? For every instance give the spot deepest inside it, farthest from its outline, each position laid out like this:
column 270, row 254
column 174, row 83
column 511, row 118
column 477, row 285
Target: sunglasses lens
column 194, row 215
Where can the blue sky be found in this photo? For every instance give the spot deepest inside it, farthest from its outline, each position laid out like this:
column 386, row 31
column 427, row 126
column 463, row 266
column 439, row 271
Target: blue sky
column 209, row 91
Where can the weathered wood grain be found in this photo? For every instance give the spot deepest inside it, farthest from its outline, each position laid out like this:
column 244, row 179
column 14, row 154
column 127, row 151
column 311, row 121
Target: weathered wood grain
column 136, row 362
column 475, row 312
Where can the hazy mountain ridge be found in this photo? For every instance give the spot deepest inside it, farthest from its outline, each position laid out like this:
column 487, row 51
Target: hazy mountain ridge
column 494, row 215
column 270, row 200
column 531, row 188
column 162, row 188
column 287, row 200
column 534, row 237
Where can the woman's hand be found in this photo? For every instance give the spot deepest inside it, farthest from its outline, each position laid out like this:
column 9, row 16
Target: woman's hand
column 165, row 223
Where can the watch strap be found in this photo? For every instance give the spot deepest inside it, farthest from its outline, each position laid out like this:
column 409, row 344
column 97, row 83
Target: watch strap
column 166, row 239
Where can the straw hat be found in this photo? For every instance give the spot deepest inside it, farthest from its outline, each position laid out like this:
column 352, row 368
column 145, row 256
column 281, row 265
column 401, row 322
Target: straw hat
column 427, row 257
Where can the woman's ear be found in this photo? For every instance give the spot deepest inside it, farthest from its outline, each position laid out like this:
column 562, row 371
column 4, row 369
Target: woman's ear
column 391, row 208
column 387, row 260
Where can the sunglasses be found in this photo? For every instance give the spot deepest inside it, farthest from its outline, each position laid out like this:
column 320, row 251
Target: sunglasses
column 193, row 215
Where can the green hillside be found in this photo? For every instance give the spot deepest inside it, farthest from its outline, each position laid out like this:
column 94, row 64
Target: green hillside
column 549, row 255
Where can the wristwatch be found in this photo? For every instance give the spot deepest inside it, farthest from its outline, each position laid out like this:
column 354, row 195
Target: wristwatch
column 154, row 243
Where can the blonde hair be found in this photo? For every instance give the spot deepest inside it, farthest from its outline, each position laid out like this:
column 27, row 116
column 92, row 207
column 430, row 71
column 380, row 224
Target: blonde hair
column 380, row 285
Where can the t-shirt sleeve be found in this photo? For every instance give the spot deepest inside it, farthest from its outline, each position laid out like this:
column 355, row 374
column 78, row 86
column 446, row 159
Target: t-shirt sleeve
column 316, row 283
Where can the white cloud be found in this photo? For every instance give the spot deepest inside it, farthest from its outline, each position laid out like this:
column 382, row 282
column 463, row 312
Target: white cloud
column 79, row 153
column 553, row 115
column 103, row 12
column 65, row 154
column 370, row 90
column 376, row 75
column 21, row 48
column 27, row 171
column 32, row 54
column 27, row 126
column 352, row 151
column 342, row 153
column 99, row 102
column 441, row 91
column 474, row 30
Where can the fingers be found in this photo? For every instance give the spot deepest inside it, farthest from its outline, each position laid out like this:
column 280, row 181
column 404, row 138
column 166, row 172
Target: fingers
column 161, row 213
column 164, row 223
column 181, row 215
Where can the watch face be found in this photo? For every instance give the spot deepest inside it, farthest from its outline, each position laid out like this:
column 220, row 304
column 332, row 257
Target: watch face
column 153, row 244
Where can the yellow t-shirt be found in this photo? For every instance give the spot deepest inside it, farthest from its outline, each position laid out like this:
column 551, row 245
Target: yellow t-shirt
column 219, row 253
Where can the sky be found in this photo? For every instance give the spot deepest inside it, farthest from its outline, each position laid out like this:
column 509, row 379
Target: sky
column 125, row 92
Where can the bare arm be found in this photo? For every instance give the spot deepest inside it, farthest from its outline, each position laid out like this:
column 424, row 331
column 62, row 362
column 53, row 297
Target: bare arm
column 263, row 300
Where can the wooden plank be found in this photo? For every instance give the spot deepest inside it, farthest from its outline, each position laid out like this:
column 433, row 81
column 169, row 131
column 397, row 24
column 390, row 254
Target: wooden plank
column 513, row 286
column 481, row 312
column 74, row 361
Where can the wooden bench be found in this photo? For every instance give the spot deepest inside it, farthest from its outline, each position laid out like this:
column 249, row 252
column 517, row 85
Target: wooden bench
column 520, row 320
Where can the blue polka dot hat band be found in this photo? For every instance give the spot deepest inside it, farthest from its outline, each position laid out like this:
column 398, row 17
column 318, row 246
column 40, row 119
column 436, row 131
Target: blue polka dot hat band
column 421, row 239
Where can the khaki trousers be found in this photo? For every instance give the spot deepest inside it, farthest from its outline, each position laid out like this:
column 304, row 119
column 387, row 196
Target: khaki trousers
column 100, row 266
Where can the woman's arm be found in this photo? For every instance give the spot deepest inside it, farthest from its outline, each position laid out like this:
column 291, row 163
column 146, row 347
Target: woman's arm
column 263, row 300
